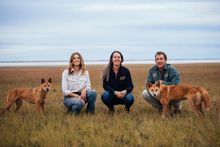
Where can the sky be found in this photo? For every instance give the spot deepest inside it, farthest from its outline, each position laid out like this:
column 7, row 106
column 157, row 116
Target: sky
column 33, row 30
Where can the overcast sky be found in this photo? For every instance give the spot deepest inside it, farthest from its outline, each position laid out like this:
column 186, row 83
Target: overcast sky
column 52, row 30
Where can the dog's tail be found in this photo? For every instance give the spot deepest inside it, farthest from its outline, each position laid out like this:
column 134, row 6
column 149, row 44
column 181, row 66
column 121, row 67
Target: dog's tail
column 205, row 97
column 10, row 99
column 2, row 110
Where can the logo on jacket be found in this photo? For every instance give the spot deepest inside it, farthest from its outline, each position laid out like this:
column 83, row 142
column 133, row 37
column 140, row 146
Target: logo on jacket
column 122, row 78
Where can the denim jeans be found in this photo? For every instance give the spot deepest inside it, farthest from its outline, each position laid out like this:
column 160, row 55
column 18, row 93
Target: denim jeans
column 74, row 105
column 156, row 103
column 110, row 100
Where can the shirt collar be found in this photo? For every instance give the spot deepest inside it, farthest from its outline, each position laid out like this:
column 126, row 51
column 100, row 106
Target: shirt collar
column 80, row 71
column 164, row 68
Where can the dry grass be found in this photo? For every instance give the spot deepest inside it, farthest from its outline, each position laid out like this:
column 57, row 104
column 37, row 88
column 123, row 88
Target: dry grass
column 142, row 127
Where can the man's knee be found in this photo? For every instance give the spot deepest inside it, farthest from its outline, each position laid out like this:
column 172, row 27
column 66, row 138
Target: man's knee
column 145, row 94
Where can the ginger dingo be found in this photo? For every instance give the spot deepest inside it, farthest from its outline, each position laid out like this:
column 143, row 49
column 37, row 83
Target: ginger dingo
column 35, row 96
column 194, row 94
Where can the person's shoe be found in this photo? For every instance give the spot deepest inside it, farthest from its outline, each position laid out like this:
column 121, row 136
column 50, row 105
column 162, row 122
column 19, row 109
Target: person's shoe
column 127, row 109
column 177, row 111
column 177, row 108
column 68, row 111
column 111, row 111
column 159, row 110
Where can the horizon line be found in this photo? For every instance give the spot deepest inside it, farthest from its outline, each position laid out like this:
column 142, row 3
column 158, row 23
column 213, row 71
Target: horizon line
column 101, row 60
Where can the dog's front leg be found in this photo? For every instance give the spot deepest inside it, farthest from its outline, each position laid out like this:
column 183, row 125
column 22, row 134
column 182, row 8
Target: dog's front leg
column 2, row 111
column 164, row 102
column 165, row 110
column 39, row 107
column 42, row 108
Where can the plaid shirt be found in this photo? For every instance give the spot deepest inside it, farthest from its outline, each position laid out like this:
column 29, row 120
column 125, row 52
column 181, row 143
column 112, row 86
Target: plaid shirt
column 169, row 75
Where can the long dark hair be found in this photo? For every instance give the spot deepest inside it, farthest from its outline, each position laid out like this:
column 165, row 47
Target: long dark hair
column 71, row 66
column 106, row 71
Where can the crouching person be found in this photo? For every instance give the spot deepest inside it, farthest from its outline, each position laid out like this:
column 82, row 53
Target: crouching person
column 76, row 86
column 117, row 84
column 166, row 74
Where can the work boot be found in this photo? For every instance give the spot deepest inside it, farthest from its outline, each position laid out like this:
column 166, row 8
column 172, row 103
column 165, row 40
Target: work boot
column 111, row 111
column 177, row 107
column 127, row 109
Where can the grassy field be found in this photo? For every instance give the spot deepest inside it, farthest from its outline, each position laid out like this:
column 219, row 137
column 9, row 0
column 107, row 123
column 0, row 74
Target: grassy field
column 143, row 126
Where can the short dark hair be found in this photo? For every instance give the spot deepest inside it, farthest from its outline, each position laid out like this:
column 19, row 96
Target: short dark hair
column 161, row 53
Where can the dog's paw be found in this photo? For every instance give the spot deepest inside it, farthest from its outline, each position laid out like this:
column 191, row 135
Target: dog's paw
column 2, row 111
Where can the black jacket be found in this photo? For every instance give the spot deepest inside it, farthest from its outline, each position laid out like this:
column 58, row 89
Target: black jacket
column 119, row 82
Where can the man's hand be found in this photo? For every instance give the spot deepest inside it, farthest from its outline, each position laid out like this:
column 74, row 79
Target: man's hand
column 161, row 81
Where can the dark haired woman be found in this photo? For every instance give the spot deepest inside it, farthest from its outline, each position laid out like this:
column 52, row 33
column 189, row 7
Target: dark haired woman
column 117, row 84
column 76, row 86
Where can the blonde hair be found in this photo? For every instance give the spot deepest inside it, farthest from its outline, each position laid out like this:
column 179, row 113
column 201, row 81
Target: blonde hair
column 71, row 66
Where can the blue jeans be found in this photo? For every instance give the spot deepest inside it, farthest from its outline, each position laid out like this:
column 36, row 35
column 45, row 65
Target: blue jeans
column 74, row 105
column 110, row 100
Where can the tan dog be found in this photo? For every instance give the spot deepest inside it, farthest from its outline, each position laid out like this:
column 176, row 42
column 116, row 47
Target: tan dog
column 35, row 96
column 195, row 96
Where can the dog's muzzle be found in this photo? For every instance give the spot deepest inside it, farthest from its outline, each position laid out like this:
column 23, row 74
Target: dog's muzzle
column 47, row 89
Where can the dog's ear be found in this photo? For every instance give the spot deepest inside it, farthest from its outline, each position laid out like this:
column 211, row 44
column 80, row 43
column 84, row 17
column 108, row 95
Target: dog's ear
column 158, row 83
column 42, row 80
column 148, row 85
column 50, row 80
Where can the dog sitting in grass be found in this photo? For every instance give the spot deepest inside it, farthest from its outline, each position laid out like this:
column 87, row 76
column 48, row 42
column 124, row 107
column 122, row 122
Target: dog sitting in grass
column 35, row 96
column 194, row 94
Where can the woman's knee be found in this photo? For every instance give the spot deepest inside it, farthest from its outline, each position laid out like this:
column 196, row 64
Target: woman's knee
column 130, row 98
column 67, row 102
column 105, row 96
column 80, row 104
column 91, row 94
column 73, row 103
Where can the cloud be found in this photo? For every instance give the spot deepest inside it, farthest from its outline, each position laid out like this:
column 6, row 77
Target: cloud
column 102, row 26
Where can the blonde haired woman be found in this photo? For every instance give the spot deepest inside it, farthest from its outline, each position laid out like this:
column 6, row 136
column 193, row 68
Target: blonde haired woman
column 76, row 86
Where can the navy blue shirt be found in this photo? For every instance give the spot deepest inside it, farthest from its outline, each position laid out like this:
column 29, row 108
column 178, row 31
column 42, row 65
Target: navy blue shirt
column 119, row 82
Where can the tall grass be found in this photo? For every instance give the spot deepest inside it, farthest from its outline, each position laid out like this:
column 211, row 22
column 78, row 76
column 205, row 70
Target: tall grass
column 143, row 126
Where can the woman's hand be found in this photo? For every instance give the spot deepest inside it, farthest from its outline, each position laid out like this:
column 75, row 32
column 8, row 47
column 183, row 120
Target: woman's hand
column 83, row 95
column 82, row 100
column 120, row 94
column 124, row 92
